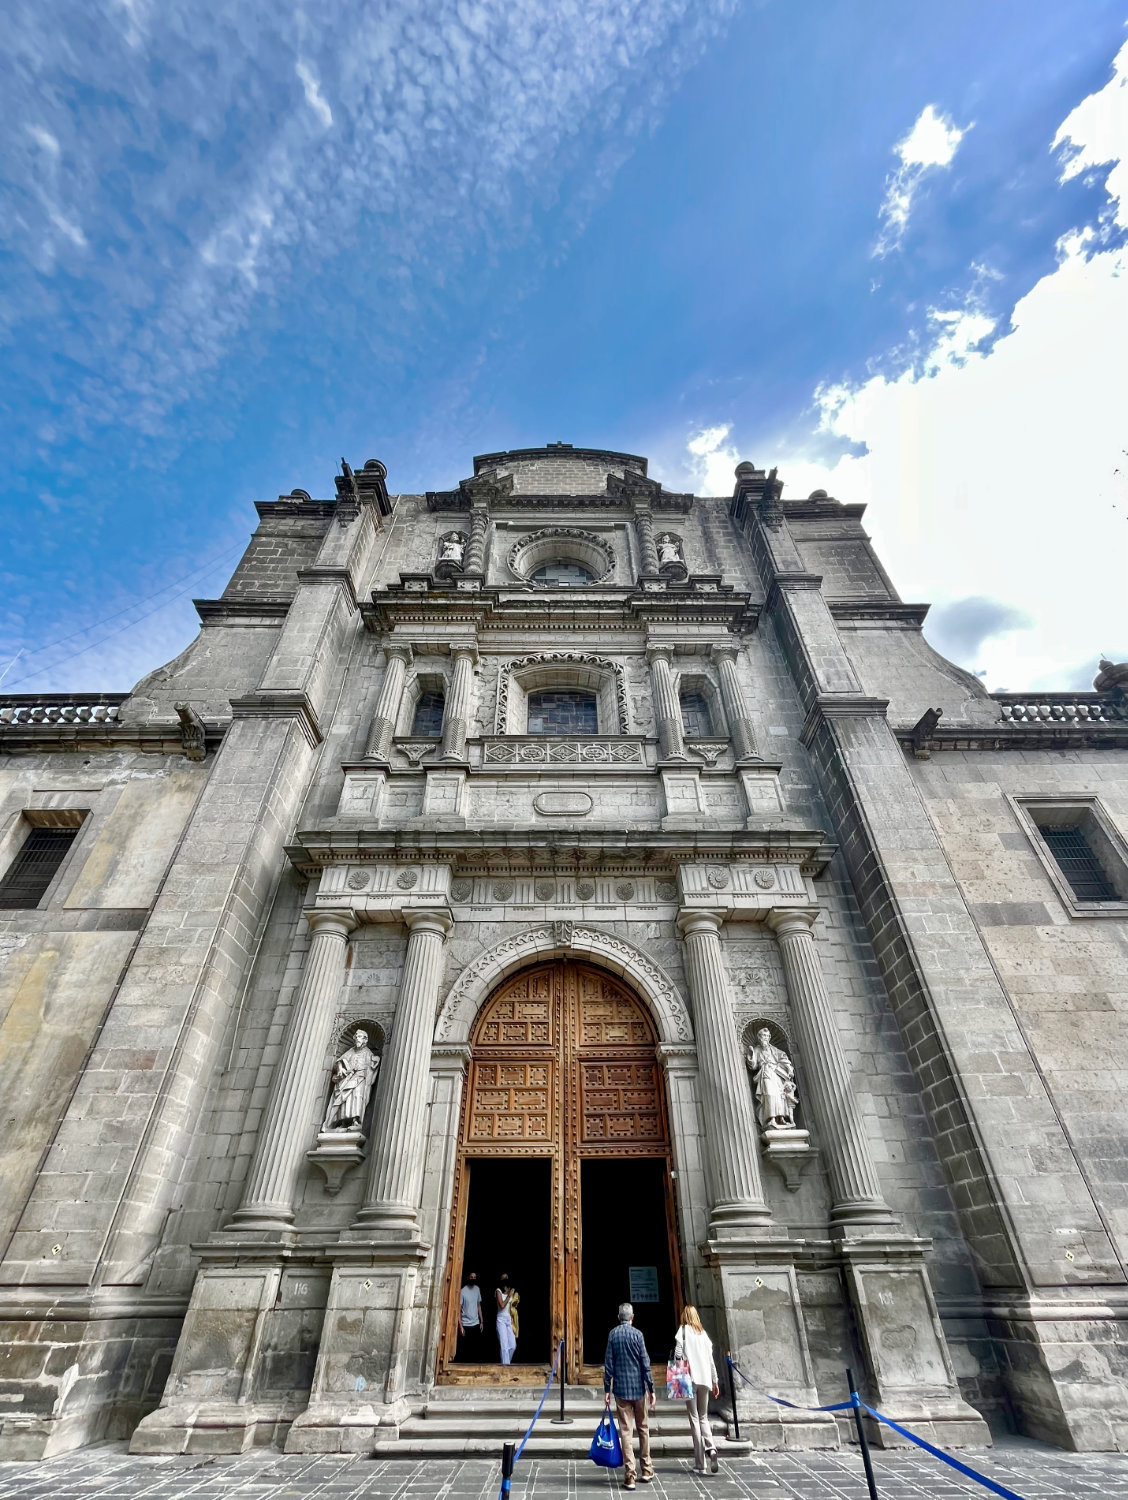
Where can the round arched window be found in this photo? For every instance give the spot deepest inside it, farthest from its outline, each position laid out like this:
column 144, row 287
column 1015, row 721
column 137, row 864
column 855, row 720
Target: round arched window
column 560, row 573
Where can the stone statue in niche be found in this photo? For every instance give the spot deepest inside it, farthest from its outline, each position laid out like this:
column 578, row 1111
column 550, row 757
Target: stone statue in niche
column 671, row 563
column 773, row 1079
column 452, row 554
column 354, row 1077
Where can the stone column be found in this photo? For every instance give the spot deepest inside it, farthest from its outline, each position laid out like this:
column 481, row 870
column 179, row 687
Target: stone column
column 854, row 1183
column 399, row 1129
column 299, row 1078
column 730, row 1125
column 740, row 725
column 667, row 709
column 398, row 659
column 457, row 707
column 644, row 527
column 476, row 549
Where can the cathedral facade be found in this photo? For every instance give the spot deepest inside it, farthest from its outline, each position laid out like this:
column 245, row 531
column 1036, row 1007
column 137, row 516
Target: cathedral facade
column 562, row 878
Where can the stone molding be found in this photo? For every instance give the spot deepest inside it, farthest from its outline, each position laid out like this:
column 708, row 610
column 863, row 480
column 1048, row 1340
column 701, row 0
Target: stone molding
column 280, row 705
column 551, row 940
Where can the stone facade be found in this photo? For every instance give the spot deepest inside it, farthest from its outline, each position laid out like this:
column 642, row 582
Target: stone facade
column 274, row 844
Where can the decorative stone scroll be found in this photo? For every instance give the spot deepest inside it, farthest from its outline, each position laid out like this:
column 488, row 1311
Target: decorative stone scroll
column 469, row 991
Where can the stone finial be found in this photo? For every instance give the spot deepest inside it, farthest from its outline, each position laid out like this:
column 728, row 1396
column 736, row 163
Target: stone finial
column 1112, row 677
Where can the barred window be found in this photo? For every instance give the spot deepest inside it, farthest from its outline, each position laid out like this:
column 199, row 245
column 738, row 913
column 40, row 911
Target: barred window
column 560, row 712
column 696, row 718
column 1078, row 862
column 428, row 720
column 34, row 868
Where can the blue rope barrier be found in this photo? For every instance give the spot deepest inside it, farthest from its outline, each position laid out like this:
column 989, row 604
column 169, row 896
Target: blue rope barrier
column 505, row 1479
column 856, row 1402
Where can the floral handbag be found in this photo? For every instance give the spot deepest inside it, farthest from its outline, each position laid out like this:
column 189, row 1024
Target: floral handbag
column 679, row 1381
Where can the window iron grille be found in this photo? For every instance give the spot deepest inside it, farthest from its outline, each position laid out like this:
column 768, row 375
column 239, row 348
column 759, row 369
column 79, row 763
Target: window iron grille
column 562, row 573
column 1077, row 861
column 34, row 868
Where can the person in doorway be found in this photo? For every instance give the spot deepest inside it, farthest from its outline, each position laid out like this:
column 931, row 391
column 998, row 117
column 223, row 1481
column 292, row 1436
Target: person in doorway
column 695, row 1346
column 506, row 1338
column 471, row 1323
column 627, row 1376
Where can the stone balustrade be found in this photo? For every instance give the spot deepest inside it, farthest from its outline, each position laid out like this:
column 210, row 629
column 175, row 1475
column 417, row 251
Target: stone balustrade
column 62, row 708
column 1060, row 708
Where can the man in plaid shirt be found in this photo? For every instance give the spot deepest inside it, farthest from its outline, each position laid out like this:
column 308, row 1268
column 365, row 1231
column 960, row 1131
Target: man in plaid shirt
column 626, row 1372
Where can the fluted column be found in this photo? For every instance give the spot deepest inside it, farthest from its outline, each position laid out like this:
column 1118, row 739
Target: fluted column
column 398, row 659
column 740, row 725
column 476, row 549
column 457, row 707
column 730, row 1126
column 667, row 709
column 399, row 1129
column 299, row 1078
column 854, row 1183
column 644, row 527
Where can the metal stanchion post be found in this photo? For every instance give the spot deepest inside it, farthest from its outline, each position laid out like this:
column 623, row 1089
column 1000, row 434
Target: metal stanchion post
column 862, row 1439
column 507, row 1467
column 732, row 1397
column 562, row 1420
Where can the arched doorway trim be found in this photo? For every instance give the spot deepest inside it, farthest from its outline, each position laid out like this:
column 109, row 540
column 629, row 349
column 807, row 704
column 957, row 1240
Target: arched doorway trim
column 563, row 940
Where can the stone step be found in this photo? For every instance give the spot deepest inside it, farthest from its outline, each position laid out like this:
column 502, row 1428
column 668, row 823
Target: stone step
column 480, row 1423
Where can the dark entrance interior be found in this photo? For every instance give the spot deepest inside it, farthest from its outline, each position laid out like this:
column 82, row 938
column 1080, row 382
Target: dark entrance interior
column 509, row 1228
column 624, row 1224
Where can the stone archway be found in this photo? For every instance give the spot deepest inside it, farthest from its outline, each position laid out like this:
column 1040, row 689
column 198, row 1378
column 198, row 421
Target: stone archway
column 563, row 940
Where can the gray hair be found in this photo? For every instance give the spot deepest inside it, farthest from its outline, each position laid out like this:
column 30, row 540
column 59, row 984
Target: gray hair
column 626, row 1312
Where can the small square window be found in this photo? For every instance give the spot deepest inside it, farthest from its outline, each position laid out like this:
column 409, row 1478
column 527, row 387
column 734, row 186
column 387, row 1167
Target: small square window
column 1082, row 851
column 34, row 867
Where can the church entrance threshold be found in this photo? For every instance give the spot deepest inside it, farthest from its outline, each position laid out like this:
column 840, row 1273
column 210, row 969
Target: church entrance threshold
column 563, row 1178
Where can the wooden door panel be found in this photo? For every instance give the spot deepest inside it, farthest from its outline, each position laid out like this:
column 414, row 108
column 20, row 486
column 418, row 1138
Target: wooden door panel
column 563, row 1065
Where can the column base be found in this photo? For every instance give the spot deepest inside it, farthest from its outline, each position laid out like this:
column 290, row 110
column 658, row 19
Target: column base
column 220, row 1428
column 909, row 1369
column 767, row 1337
column 333, row 1428
column 260, row 1218
column 743, row 1222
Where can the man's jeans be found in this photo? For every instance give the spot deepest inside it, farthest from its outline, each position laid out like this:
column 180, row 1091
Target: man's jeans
column 634, row 1414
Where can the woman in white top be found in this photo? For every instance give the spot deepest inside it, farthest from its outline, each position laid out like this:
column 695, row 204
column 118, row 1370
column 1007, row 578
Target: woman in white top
column 507, row 1339
column 695, row 1346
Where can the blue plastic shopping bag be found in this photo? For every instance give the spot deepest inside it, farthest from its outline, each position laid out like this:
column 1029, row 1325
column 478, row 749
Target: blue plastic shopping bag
column 606, row 1450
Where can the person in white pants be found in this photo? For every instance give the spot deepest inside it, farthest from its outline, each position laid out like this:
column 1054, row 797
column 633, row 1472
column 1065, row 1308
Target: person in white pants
column 695, row 1346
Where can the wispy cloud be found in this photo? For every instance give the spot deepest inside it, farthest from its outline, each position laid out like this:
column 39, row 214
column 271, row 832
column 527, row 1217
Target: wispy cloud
column 931, row 144
column 188, row 162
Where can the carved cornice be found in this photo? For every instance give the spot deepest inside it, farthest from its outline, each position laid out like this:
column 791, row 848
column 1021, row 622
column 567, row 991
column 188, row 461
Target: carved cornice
column 891, row 610
column 242, row 611
column 267, row 705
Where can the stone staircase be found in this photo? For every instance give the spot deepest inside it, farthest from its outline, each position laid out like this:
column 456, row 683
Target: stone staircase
column 464, row 1422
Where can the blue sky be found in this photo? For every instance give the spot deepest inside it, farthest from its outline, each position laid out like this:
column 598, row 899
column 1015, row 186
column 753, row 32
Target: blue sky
column 881, row 245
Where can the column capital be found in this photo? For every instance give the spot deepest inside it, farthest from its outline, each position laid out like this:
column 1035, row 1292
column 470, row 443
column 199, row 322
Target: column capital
column 678, row 1057
column 428, row 919
column 660, row 651
column 724, row 650
column 339, row 919
column 692, row 920
column 450, row 1057
column 399, row 651
column 787, row 921
column 464, row 649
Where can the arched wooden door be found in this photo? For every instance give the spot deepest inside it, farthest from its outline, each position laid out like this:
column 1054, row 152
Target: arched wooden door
column 562, row 1177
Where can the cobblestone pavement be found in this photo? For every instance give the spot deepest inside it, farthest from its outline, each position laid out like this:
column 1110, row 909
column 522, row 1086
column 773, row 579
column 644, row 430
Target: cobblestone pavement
column 107, row 1472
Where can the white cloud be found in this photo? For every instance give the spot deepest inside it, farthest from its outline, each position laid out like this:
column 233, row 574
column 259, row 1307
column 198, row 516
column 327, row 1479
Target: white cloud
column 1096, row 133
column 211, row 192
column 931, row 143
column 712, row 460
column 1002, row 473
column 313, row 94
